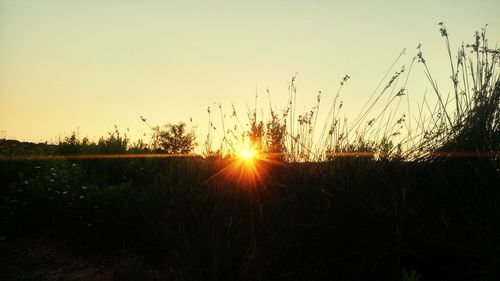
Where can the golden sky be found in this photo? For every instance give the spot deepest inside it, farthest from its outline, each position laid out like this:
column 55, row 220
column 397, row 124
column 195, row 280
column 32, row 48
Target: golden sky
column 93, row 64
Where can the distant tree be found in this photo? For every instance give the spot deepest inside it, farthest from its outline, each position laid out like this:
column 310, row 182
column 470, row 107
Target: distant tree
column 139, row 147
column 70, row 145
column 173, row 139
column 115, row 143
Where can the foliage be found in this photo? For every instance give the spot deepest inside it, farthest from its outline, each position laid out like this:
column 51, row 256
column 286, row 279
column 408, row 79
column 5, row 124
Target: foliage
column 113, row 144
column 275, row 135
column 256, row 133
column 173, row 139
column 355, row 218
column 70, row 145
column 411, row 276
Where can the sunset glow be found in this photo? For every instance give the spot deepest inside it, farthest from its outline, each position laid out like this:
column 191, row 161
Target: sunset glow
column 247, row 154
column 124, row 59
column 247, row 168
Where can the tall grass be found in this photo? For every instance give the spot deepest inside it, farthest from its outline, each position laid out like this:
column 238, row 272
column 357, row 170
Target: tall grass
column 467, row 120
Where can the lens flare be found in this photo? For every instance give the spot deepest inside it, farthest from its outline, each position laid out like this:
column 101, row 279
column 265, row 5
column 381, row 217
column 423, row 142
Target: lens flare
column 246, row 168
column 247, row 154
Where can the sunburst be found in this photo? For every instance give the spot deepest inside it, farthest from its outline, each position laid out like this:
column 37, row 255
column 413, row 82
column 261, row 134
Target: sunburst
column 247, row 167
column 247, row 154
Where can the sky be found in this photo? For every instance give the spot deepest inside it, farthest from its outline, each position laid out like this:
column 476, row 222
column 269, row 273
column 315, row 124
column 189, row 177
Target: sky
column 89, row 65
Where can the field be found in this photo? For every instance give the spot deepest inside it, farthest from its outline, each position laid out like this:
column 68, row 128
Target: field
column 269, row 202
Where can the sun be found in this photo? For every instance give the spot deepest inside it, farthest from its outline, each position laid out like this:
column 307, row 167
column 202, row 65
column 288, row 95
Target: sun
column 248, row 167
column 247, row 154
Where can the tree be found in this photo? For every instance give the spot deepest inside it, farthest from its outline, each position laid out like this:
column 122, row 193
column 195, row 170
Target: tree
column 70, row 145
column 173, row 139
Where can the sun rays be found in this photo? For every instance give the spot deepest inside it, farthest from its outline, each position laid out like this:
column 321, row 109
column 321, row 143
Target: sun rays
column 247, row 154
column 247, row 167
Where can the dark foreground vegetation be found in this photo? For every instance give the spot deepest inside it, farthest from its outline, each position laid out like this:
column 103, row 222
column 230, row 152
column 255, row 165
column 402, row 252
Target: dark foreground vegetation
column 423, row 205
column 160, row 219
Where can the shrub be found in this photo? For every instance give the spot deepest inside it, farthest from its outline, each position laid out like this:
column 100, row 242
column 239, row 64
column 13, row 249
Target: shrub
column 173, row 139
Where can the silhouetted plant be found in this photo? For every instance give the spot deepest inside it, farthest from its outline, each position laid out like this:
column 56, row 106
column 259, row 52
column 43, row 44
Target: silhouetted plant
column 113, row 144
column 70, row 145
column 256, row 133
column 174, row 139
column 275, row 136
column 139, row 146
column 411, row 276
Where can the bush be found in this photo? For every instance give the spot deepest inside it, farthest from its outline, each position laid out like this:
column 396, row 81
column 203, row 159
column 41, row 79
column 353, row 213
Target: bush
column 173, row 139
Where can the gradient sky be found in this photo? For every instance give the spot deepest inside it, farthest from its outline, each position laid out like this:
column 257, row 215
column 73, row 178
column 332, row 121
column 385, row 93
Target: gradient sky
column 93, row 64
